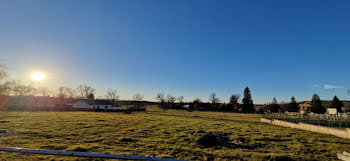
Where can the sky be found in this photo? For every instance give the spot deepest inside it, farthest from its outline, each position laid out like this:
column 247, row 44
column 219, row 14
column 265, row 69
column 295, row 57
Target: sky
column 186, row 48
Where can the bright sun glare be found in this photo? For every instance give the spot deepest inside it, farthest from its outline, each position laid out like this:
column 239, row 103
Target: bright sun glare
column 38, row 76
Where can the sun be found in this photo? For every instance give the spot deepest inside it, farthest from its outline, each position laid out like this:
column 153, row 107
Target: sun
column 38, row 76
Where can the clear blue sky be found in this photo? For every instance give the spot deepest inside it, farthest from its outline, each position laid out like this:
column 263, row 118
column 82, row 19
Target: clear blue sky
column 183, row 47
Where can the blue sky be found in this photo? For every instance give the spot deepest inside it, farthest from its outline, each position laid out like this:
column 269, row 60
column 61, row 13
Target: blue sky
column 183, row 47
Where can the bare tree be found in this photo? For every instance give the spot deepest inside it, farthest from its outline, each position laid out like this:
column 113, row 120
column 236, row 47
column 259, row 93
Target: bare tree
column 12, row 87
column 214, row 100
column 80, row 91
column 112, row 95
column 7, row 87
column 71, row 93
column 4, row 83
column 234, row 98
column 84, row 91
column 43, row 91
column 62, row 92
column 137, row 98
column 160, row 97
column 171, row 99
column 22, row 90
column 234, row 101
column 3, row 73
column 88, row 91
column 180, row 99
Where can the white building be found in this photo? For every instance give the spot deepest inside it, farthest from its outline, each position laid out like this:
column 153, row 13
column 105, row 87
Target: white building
column 331, row 111
column 93, row 105
column 186, row 107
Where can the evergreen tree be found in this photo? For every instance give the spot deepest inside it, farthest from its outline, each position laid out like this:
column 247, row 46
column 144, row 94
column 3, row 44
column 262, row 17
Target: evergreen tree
column 292, row 100
column 293, row 105
column 273, row 106
column 247, row 102
column 316, row 105
column 274, row 101
column 335, row 103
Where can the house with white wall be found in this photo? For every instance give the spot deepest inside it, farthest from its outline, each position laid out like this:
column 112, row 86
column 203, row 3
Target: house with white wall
column 331, row 111
column 89, row 104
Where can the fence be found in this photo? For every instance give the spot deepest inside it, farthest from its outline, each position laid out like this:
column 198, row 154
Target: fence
column 342, row 133
column 345, row 156
column 333, row 121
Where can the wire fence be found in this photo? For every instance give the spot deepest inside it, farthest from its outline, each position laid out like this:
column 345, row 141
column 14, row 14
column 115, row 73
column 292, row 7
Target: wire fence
column 334, row 121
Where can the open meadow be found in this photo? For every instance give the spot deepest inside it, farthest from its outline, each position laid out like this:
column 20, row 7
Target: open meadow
column 163, row 134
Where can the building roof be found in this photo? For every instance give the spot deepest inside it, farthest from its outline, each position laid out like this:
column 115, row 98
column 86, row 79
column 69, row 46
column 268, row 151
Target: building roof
column 97, row 102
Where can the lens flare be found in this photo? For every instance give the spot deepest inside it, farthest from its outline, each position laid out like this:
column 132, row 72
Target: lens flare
column 38, row 76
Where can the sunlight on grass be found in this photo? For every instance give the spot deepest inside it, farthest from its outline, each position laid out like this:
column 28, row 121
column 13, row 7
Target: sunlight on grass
column 163, row 134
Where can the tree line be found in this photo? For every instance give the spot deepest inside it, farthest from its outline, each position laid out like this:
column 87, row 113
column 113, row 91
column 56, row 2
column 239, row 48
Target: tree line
column 214, row 103
column 10, row 87
column 316, row 105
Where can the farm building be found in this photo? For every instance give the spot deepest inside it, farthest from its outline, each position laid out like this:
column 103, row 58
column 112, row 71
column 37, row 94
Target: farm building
column 89, row 104
column 332, row 111
column 304, row 108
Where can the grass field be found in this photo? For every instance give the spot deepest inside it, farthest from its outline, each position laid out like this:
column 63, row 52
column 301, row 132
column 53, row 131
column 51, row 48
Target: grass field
column 164, row 134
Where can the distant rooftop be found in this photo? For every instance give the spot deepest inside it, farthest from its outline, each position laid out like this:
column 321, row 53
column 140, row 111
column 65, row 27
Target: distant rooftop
column 97, row 102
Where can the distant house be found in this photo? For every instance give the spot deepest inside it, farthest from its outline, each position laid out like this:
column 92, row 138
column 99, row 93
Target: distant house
column 89, row 104
column 304, row 108
column 186, row 107
column 332, row 111
column 259, row 108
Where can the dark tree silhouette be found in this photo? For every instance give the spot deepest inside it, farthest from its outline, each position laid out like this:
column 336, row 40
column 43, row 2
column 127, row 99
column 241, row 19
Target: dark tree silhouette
column 138, row 98
column 161, row 98
column 180, row 99
column 214, row 100
column 91, row 96
column 292, row 106
column 234, row 102
column 247, row 102
column 171, row 101
column 336, row 103
column 273, row 106
column 195, row 104
column 234, row 98
column 316, row 105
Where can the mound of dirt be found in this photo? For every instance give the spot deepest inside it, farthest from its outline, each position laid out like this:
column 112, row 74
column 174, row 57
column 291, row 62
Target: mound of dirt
column 208, row 140
column 214, row 139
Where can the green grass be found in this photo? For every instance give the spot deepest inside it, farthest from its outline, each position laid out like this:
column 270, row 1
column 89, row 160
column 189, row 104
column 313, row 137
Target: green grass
column 164, row 134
